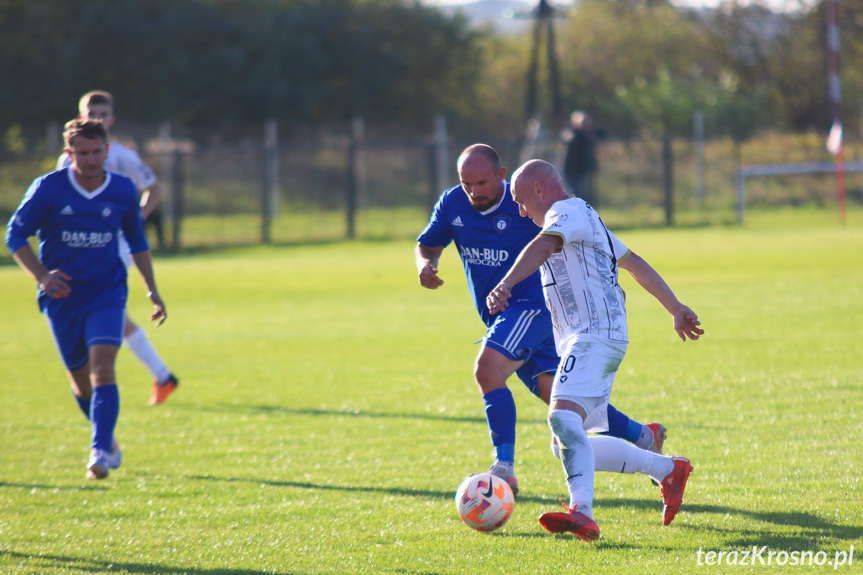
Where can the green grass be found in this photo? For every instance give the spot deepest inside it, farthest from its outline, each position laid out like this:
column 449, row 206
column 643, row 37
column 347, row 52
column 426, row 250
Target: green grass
column 327, row 414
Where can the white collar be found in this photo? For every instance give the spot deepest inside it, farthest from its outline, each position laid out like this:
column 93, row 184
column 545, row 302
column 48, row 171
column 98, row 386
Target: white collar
column 87, row 194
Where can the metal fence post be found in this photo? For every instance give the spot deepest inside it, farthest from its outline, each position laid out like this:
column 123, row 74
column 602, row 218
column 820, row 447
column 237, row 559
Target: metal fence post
column 668, row 177
column 358, row 134
column 698, row 135
column 434, row 190
column 166, row 151
column 178, row 182
column 270, row 195
column 351, row 200
column 442, row 151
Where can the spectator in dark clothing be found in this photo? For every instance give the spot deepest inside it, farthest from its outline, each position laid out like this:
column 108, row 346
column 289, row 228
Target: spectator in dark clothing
column 580, row 165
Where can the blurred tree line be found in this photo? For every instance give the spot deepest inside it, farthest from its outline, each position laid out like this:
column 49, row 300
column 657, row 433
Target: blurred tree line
column 638, row 66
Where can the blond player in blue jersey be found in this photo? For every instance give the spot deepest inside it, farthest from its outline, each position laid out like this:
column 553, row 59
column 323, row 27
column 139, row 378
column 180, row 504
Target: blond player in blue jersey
column 76, row 213
column 578, row 258
column 99, row 105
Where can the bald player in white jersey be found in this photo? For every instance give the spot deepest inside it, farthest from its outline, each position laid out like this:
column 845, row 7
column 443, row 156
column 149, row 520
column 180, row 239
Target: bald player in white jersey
column 579, row 260
column 99, row 105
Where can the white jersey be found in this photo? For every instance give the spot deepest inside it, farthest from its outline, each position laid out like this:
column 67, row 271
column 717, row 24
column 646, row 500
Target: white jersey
column 125, row 162
column 580, row 283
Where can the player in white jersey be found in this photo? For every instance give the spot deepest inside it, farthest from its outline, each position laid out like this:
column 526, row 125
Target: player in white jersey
column 480, row 218
column 578, row 258
column 99, row 105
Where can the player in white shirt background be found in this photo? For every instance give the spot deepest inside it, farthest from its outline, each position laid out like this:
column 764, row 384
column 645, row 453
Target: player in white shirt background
column 99, row 105
column 579, row 261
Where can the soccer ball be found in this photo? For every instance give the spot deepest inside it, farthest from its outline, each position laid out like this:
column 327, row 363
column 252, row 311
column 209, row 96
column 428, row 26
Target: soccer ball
column 484, row 502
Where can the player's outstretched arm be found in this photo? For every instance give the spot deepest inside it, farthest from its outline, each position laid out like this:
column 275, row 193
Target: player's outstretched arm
column 144, row 263
column 427, row 259
column 528, row 261
column 686, row 322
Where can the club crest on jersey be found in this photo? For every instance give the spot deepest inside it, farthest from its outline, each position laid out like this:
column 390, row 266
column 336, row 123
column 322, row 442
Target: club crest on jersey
column 502, row 223
column 106, row 212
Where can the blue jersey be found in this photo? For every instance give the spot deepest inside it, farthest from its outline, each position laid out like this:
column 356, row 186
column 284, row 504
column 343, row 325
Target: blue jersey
column 77, row 232
column 488, row 243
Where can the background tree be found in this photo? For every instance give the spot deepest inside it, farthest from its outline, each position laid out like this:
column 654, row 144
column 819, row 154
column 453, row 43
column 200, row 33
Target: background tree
column 607, row 45
column 235, row 62
column 229, row 64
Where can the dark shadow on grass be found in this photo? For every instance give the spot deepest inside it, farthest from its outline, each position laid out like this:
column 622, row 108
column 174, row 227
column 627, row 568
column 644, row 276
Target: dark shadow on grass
column 222, row 247
column 78, row 564
column 400, row 491
column 813, row 539
column 54, row 487
column 228, row 246
column 813, row 529
column 281, row 409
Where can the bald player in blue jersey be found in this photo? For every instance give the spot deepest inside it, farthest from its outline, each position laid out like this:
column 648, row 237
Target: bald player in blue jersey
column 76, row 212
column 480, row 216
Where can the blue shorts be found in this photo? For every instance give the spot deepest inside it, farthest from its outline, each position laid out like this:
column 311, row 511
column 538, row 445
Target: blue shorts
column 74, row 335
column 525, row 333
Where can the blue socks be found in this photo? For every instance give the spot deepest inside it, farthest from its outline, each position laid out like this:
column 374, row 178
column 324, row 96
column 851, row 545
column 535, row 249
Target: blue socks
column 500, row 415
column 104, row 410
column 620, row 425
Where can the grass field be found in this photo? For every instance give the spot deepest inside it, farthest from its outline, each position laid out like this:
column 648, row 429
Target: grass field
column 327, row 413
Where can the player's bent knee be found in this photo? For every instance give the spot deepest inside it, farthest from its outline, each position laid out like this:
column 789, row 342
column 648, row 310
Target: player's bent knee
column 492, row 369
column 488, row 379
column 568, row 427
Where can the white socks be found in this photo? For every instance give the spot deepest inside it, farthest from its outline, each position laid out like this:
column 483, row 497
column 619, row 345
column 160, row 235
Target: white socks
column 618, row 456
column 646, row 439
column 146, row 353
column 615, row 455
column 577, row 456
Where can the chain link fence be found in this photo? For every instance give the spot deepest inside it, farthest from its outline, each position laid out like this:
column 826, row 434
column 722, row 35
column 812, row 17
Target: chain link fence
column 331, row 189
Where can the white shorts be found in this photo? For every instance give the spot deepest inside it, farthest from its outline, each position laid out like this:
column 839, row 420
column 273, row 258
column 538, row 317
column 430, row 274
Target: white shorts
column 585, row 376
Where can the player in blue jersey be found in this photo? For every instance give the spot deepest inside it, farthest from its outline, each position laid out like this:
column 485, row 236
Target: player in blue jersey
column 482, row 219
column 76, row 213
column 99, row 105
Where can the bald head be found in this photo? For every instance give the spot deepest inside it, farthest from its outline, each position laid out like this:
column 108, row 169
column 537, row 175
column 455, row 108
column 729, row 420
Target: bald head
column 540, row 171
column 481, row 152
column 580, row 120
column 535, row 187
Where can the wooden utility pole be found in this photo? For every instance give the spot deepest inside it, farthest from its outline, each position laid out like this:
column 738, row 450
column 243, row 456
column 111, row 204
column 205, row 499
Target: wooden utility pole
column 544, row 15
